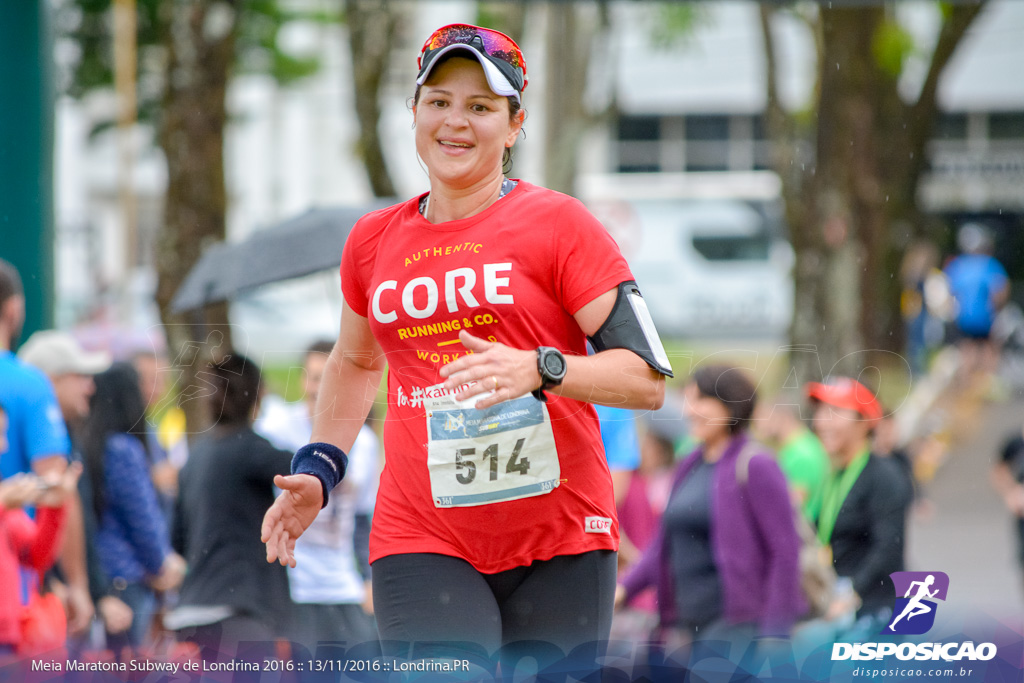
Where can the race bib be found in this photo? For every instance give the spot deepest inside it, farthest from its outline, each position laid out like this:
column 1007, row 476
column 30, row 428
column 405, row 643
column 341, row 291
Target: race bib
column 476, row 457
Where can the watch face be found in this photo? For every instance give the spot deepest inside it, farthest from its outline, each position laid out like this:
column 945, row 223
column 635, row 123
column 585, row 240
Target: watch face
column 554, row 364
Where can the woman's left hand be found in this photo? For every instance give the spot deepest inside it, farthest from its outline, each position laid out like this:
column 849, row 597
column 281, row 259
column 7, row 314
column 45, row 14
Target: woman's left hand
column 506, row 371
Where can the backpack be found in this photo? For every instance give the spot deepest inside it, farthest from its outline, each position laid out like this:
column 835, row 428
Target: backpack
column 817, row 575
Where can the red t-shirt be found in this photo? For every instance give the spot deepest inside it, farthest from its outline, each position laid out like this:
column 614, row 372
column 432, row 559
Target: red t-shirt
column 515, row 273
column 24, row 543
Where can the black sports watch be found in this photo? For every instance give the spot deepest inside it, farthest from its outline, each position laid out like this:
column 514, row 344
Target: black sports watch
column 551, row 366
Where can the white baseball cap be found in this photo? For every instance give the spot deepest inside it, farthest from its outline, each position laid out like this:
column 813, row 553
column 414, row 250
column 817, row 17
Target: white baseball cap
column 58, row 353
column 501, row 59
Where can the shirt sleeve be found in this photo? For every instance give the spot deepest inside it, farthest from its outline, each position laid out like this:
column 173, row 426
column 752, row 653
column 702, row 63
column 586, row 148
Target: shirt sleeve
column 888, row 510
column 357, row 259
column 267, row 461
column 36, row 542
column 618, row 433
column 133, row 499
column 647, row 571
column 588, row 262
column 44, row 430
column 773, row 515
column 999, row 278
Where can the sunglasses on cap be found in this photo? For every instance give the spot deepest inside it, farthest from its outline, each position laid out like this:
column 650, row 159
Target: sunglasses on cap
column 495, row 46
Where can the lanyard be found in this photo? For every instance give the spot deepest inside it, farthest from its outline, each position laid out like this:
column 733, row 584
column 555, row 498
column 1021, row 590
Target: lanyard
column 836, row 489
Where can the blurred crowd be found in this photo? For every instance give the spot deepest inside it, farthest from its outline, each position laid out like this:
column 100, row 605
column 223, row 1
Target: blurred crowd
column 121, row 539
column 739, row 518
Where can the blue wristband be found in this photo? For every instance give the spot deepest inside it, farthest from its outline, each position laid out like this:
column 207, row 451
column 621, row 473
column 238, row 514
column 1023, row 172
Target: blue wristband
column 324, row 461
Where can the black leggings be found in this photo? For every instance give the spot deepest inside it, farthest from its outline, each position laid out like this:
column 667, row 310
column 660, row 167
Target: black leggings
column 439, row 606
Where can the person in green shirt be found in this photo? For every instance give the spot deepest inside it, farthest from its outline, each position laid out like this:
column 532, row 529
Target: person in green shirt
column 801, row 456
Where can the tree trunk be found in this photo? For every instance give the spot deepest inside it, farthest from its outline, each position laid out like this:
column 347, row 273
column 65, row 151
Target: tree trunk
column 570, row 36
column 563, row 89
column 200, row 54
column 853, row 210
column 371, row 28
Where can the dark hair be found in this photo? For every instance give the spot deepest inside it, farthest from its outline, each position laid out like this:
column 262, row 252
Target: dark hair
column 732, row 387
column 10, row 281
column 236, row 381
column 116, row 407
column 324, row 347
column 514, row 106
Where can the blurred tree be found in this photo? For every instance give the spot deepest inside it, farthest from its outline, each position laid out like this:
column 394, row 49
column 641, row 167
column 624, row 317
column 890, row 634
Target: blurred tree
column 200, row 43
column 581, row 50
column 850, row 198
column 188, row 50
column 507, row 17
column 571, row 32
column 372, row 30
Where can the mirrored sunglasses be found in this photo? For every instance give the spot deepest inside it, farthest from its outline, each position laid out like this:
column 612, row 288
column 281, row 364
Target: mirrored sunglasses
column 493, row 43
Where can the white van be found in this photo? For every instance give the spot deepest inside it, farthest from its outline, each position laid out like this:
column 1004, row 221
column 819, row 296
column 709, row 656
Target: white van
column 708, row 249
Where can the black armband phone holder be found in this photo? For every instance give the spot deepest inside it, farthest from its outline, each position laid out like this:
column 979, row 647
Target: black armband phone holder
column 629, row 326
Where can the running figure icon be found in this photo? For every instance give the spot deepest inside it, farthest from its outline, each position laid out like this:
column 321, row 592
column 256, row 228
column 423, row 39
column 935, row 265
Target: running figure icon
column 915, row 606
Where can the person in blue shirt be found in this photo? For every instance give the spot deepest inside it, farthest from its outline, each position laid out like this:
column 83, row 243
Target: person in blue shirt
column 621, row 446
column 38, row 438
column 980, row 287
column 39, row 441
column 622, row 453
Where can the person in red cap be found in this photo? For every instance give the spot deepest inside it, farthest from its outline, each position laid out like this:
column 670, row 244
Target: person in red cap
column 863, row 503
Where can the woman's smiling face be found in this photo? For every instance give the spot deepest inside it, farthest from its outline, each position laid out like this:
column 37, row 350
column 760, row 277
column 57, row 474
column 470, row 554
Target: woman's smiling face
column 462, row 128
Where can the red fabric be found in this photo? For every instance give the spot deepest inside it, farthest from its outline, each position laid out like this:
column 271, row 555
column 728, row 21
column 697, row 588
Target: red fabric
column 637, row 515
column 24, row 543
column 556, row 258
column 639, row 518
column 848, row 394
column 44, row 625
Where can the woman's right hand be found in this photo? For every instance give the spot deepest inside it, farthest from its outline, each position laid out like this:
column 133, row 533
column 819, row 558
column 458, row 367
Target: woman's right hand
column 172, row 573
column 300, row 501
column 116, row 615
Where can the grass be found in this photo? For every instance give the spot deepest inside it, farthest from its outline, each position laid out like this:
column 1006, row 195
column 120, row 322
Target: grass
column 766, row 361
column 768, row 364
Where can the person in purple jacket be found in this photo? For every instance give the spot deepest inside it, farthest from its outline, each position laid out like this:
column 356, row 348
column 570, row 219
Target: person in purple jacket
column 725, row 557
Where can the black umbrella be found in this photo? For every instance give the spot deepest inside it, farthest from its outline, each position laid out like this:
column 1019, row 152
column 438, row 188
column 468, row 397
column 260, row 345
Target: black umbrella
column 299, row 246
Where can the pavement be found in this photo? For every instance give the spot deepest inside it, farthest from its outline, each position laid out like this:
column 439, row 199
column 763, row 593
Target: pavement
column 963, row 528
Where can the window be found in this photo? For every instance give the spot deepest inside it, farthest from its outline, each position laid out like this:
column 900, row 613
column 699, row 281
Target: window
column 639, row 157
column 639, row 128
column 707, row 128
column 1006, row 126
column 760, row 127
column 707, row 156
column 951, row 127
column 733, row 247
